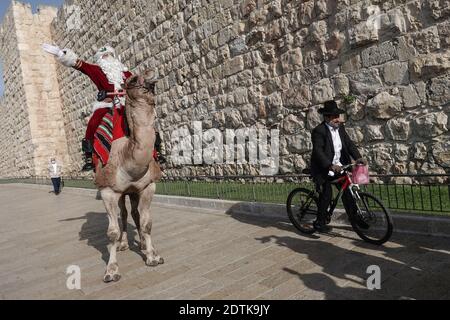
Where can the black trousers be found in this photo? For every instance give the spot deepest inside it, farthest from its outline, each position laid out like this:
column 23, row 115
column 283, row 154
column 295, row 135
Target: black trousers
column 56, row 184
column 325, row 196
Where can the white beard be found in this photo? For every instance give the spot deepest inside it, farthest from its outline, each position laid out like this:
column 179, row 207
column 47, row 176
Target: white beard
column 113, row 69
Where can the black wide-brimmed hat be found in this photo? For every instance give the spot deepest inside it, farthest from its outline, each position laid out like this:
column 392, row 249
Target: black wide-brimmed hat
column 330, row 108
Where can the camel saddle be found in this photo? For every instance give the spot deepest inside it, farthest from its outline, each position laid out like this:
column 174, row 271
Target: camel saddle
column 113, row 126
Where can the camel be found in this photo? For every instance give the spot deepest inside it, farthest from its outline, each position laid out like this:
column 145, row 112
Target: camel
column 131, row 170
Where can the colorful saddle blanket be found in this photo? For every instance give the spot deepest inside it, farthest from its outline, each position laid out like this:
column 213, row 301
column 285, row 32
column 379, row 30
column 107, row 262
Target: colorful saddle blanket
column 112, row 127
column 103, row 139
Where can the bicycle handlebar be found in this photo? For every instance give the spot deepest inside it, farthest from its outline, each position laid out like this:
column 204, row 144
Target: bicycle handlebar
column 349, row 166
column 345, row 168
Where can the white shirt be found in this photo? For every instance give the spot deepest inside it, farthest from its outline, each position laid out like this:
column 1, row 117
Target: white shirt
column 54, row 169
column 337, row 145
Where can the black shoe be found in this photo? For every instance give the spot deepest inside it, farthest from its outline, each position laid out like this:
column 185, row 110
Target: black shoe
column 321, row 227
column 161, row 159
column 88, row 149
column 87, row 146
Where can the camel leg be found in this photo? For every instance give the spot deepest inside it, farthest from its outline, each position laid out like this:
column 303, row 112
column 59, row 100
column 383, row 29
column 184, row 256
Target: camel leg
column 124, row 216
column 134, row 200
column 111, row 201
column 145, row 221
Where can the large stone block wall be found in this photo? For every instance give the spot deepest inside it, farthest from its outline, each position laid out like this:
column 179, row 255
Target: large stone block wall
column 33, row 131
column 271, row 64
column 16, row 155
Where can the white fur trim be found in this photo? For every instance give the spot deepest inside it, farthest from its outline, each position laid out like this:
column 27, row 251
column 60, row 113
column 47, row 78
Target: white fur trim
column 99, row 105
column 69, row 59
column 113, row 69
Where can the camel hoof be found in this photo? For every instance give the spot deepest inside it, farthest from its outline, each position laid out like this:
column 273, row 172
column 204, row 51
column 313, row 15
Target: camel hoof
column 111, row 277
column 124, row 247
column 116, row 277
column 112, row 273
column 151, row 263
column 107, row 278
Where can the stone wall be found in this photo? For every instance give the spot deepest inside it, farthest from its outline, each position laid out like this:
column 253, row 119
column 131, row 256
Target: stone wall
column 232, row 63
column 15, row 153
column 32, row 124
column 271, row 64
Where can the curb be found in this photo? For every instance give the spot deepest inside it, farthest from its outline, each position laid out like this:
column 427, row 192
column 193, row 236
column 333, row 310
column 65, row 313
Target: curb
column 403, row 222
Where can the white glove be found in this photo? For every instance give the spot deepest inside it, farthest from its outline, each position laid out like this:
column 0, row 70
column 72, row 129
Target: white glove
column 54, row 50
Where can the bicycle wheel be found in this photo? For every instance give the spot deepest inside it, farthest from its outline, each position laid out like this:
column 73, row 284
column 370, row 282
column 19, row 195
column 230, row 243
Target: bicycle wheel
column 374, row 214
column 302, row 209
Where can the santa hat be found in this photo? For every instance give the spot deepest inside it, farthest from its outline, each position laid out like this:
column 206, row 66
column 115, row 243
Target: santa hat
column 104, row 50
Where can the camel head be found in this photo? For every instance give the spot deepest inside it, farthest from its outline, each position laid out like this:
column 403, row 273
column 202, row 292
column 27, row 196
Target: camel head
column 140, row 87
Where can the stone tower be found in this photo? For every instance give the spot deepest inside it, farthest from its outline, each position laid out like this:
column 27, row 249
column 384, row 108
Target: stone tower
column 32, row 126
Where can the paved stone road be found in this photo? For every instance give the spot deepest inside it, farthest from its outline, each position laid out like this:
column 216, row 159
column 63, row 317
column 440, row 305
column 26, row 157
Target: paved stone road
column 209, row 255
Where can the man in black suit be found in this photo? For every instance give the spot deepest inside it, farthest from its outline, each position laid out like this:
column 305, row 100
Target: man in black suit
column 332, row 149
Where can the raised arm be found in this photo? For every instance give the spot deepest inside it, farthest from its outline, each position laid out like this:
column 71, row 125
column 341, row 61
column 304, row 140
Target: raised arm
column 69, row 58
column 66, row 57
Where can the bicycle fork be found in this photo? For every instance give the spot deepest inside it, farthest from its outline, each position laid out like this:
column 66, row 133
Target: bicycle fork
column 355, row 196
column 357, row 199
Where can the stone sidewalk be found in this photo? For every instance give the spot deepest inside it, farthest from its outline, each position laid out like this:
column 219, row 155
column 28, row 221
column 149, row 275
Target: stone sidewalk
column 209, row 255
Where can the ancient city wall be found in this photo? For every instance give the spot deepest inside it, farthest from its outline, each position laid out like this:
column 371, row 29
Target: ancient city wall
column 271, row 64
column 32, row 124
column 15, row 152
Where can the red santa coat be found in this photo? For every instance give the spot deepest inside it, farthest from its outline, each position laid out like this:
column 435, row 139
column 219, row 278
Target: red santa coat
column 98, row 77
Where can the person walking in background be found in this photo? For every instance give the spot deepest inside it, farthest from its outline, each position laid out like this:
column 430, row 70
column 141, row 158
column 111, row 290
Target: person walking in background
column 55, row 170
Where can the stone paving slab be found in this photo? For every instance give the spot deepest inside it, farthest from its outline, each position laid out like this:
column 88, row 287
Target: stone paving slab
column 209, row 254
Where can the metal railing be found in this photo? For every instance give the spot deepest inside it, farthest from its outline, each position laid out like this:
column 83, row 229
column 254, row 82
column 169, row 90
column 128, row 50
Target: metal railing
column 419, row 193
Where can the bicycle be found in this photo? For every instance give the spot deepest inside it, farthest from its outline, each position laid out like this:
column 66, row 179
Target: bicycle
column 377, row 228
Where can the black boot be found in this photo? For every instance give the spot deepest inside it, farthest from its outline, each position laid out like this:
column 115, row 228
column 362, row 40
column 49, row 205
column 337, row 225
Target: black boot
column 87, row 148
column 321, row 224
column 88, row 165
column 161, row 158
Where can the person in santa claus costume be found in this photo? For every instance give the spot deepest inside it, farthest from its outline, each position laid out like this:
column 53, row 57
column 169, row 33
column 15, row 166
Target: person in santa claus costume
column 108, row 74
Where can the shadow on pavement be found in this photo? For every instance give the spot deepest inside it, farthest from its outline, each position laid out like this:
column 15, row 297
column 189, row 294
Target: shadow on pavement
column 412, row 267
column 94, row 231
